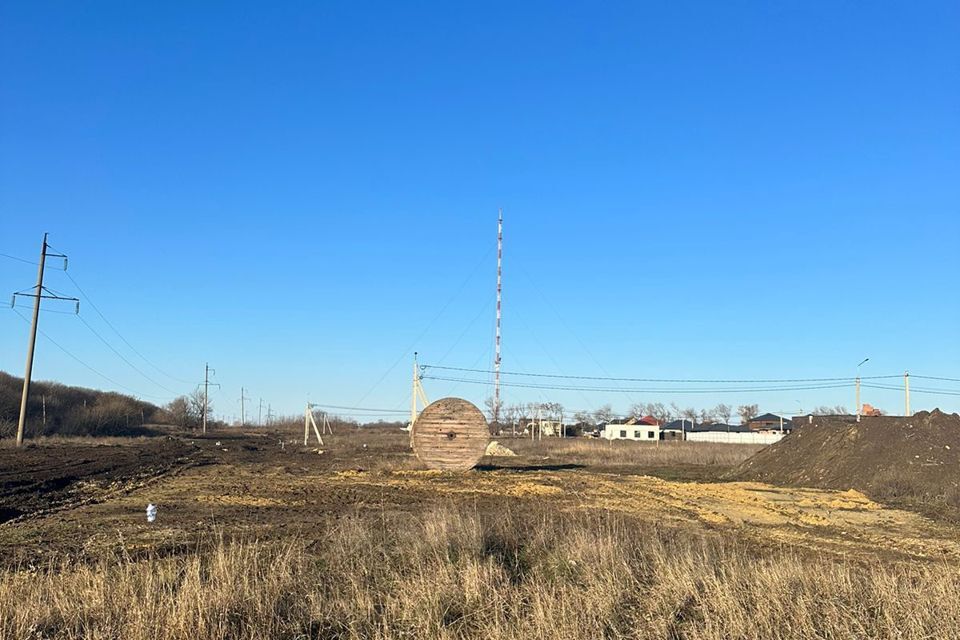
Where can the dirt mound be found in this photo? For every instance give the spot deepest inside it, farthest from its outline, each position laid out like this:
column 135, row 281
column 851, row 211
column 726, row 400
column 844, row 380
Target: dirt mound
column 497, row 449
column 897, row 459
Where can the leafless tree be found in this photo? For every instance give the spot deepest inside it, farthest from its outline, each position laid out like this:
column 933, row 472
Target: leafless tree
column 659, row 411
column 604, row 414
column 583, row 417
column 747, row 412
column 707, row 416
column 180, row 411
column 200, row 405
column 836, row 410
column 690, row 414
column 491, row 406
column 724, row 412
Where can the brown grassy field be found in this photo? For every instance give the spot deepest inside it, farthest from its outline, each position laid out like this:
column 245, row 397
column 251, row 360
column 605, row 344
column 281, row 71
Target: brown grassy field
column 569, row 539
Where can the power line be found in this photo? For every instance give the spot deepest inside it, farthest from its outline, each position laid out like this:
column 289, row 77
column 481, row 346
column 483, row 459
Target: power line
column 366, row 409
column 6, row 255
column 942, row 392
column 426, row 329
column 809, row 387
column 120, row 335
column 936, row 378
column 121, row 356
column 663, row 380
column 87, row 366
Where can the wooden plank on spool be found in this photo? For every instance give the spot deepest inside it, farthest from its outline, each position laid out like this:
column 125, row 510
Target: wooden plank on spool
column 450, row 434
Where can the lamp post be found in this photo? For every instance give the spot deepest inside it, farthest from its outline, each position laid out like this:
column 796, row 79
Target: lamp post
column 858, row 387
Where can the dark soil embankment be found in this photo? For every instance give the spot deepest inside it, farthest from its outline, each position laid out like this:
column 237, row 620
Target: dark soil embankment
column 908, row 461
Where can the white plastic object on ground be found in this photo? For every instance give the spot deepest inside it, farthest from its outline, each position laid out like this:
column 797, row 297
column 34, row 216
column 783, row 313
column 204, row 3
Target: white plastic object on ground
column 151, row 512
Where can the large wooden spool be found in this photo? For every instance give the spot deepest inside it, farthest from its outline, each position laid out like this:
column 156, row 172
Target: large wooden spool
column 450, row 434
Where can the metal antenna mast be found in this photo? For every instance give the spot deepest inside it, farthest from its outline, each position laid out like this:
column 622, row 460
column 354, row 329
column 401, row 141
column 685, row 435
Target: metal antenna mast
column 39, row 292
column 496, row 359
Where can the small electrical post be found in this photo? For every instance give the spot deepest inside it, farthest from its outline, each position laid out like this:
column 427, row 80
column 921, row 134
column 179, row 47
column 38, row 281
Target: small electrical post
column 416, row 393
column 243, row 414
column 38, row 293
column 309, row 419
column 206, row 392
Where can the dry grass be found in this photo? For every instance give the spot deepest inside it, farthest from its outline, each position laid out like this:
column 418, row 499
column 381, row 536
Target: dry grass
column 460, row 574
column 597, row 452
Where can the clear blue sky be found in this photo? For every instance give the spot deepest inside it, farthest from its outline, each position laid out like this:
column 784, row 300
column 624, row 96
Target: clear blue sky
column 300, row 193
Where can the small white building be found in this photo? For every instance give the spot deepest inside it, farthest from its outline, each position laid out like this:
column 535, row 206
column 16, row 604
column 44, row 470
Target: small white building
column 633, row 429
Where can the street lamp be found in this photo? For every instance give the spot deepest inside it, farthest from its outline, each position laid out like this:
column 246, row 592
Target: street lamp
column 858, row 387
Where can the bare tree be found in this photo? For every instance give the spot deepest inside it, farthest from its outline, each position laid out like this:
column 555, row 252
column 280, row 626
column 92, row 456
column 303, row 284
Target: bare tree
column 724, row 412
column 491, row 407
column 690, row 414
column 659, row 411
column 583, row 417
column 707, row 416
column 200, row 405
column 747, row 412
column 180, row 411
column 638, row 410
column 604, row 414
column 823, row 410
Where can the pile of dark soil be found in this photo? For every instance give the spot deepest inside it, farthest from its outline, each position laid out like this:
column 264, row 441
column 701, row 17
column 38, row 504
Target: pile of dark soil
column 907, row 460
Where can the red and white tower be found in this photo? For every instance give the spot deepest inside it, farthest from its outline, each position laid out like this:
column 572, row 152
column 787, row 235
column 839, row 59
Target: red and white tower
column 496, row 359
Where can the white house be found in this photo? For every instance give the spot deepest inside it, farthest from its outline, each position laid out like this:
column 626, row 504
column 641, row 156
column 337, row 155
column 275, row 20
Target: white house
column 645, row 429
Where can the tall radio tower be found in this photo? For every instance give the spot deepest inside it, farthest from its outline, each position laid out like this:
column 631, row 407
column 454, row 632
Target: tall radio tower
column 496, row 359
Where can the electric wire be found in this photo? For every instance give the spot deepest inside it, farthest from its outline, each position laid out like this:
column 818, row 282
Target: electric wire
column 426, row 329
column 426, row 367
column 121, row 356
column 87, row 366
column 120, row 335
column 805, row 387
column 7, row 255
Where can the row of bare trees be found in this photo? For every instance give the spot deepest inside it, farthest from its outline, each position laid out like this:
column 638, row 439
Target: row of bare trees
column 722, row 413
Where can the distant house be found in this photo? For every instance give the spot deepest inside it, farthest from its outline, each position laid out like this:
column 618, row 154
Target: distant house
column 676, row 430
column 770, row 422
column 632, row 429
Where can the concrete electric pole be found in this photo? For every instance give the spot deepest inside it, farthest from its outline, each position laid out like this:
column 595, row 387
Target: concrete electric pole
column 39, row 292
column 206, row 392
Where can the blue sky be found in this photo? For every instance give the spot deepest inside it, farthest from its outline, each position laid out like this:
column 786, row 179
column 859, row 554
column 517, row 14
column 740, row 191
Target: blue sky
column 304, row 194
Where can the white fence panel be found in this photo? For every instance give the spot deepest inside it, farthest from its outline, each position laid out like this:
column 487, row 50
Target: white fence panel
column 734, row 437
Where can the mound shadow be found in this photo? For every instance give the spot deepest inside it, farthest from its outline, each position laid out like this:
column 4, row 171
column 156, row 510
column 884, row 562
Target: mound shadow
column 521, row 468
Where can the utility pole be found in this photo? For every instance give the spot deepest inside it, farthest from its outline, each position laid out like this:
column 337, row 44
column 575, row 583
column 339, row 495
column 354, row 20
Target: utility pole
column 496, row 359
column 37, row 295
column 206, row 392
column 859, row 408
column 906, row 389
column 243, row 415
column 260, row 413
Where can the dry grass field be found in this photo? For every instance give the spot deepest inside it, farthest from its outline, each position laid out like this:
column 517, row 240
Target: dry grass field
column 569, row 539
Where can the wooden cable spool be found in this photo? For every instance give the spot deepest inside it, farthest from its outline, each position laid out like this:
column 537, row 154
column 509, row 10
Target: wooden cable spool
column 450, row 434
